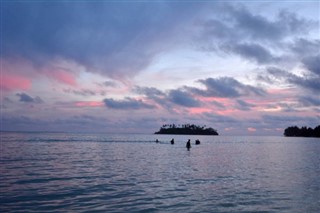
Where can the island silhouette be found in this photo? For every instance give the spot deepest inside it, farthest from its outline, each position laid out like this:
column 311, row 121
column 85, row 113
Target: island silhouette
column 294, row 131
column 186, row 129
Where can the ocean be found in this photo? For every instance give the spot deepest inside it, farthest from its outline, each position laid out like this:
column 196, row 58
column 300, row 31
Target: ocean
column 64, row 172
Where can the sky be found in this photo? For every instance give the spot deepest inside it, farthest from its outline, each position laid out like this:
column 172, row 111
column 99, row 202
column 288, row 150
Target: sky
column 240, row 67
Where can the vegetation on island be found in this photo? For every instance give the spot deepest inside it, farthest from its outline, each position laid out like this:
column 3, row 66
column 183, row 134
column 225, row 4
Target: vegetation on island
column 186, row 129
column 294, row 131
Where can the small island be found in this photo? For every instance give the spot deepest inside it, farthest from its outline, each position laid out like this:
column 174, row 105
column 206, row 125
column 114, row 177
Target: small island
column 186, row 129
column 294, row 131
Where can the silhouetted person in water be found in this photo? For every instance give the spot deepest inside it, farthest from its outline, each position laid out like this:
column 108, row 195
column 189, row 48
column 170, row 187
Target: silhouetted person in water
column 197, row 142
column 188, row 145
column 172, row 141
column 157, row 141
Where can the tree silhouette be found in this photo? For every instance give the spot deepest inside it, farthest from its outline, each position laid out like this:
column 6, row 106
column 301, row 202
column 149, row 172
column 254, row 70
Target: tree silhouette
column 186, row 129
column 294, row 131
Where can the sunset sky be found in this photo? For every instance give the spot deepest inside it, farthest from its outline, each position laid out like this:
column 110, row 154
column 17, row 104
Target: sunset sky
column 243, row 68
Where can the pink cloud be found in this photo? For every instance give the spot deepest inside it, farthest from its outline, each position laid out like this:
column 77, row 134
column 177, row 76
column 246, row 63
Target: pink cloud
column 18, row 72
column 228, row 129
column 11, row 82
column 88, row 104
column 251, row 129
column 63, row 76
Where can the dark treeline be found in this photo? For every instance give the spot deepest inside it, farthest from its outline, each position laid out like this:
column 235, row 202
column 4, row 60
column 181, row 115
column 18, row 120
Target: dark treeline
column 304, row 131
column 186, row 129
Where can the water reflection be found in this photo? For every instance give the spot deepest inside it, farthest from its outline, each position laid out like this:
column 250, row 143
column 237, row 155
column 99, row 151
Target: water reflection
column 96, row 173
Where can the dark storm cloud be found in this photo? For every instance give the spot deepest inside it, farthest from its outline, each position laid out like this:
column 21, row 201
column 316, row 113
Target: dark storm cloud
column 127, row 103
column 307, row 83
column 310, row 101
column 255, row 25
column 219, row 105
column 237, row 30
column 82, row 92
column 114, row 38
column 259, row 27
column 182, row 98
column 305, row 47
column 111, row 84
column 149, row 91
column 312, row 64
column 155, row 95
column 226, row 87
column 23, row 97
column 243, row 105
column 222, row 87
column 254, row 52
column 275, row 74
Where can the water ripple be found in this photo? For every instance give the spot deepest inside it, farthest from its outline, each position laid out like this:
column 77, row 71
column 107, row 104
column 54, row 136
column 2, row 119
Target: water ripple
column 45, row 173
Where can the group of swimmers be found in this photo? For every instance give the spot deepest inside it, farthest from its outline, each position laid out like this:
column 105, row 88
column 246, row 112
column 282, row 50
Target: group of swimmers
column 188, row 144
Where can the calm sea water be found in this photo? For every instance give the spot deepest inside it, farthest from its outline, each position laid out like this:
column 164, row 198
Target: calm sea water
column 45, row 172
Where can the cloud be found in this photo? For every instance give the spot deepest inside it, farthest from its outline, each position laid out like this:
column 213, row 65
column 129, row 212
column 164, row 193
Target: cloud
column 48, row 43
column 215, row 118
column 10, row 81
column 82, row 92
column 304, row 47
column 242, row 105
column 149, row 91
column 155, row 95
column 22, row 123
column 312, row 64
column 251, row 129
column 127, row 103
column 112, row 84
column 262, row 39
column 66, row 123
column 255, row 25
column 308, row 83
column 20, row 74
column 116, row 39
column 28, row 99
column 182, row 98
column 278, row 74
column 259, row 27
column 61, row 75
column 226, row 87
column 254, row 52
column 218, row 104
column 309, row 101
column 88, row 104
column 285, row 120
column 275, row 74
